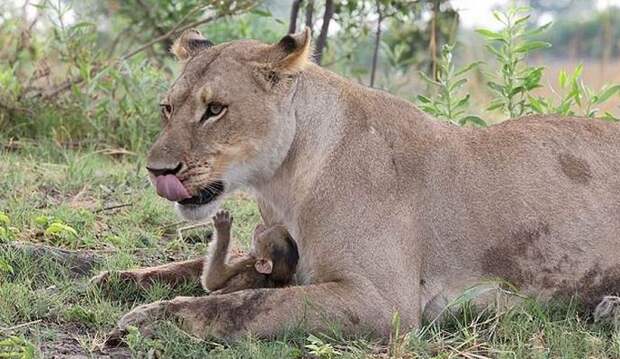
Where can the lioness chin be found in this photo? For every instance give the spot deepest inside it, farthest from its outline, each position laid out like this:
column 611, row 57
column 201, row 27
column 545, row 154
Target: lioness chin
column 392, row 211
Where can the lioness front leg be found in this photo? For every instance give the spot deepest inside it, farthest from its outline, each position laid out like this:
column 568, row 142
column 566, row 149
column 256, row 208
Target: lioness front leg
column 169, row 273
column 268, row 312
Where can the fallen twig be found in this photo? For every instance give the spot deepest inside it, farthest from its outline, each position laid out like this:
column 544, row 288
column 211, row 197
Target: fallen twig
column 109, row 208
column 186, row 228
column 14, row 328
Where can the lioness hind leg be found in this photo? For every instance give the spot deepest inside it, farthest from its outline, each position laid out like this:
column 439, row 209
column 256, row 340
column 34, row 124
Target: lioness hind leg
column 169, row 273
column 269, row 312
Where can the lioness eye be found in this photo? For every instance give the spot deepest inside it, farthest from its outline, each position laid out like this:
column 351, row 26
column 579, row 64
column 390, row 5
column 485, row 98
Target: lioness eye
column 213, row 110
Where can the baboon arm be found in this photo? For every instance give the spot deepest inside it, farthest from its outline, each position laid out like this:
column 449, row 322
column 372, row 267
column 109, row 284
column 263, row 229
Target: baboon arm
column 218, row 272
column 268, row 312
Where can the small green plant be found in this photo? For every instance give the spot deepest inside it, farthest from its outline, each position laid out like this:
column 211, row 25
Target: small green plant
column 575, row 98
column 17, row 348
column 448, row 104
column 398, row 341
column 5, row 267
column 7, row 232
column 320, row 348
column 57, row 232
column 511, row 47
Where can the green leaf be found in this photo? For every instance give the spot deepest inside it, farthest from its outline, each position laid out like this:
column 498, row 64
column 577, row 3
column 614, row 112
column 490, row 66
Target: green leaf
column 608, row 116
column 605, row 95
column 475, row 120
column 57, row 228
column 5, row 267
column 491, row 35
column 578, row 71
column 428, row 79
column 424, row 99
column 495, row 104
column 41, row 220
column 531, row 46
column 261, row 12
column 455, row 86
column 522, row 20
column 496, row 87
column 538, row 30
column 4, row 219
column 532, row 80
column 537, row 104
column 562, row 78
column 467, row 68
column 463, row 102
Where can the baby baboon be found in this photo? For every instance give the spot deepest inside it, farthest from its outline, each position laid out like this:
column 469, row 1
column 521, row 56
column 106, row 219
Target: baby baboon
column 271, row 262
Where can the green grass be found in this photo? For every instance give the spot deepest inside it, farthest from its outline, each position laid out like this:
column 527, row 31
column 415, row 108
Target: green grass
column 45, row 307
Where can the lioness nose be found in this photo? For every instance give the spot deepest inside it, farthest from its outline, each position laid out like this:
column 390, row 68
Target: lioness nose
column 162, row 171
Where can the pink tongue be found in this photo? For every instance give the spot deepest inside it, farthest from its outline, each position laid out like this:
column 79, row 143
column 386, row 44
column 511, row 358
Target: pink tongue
column 171, row 188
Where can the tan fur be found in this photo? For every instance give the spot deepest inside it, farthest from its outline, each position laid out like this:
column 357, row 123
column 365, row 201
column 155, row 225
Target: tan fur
column 222, row 274
column 392, row 211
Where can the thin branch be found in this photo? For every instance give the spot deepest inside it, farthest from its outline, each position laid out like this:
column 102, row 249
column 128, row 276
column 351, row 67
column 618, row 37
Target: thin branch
column 375, row 54
column 309, row 14
column 432, row 46
column 322, row 39
column 187, row 228
column 178, row 28
column 292, row 25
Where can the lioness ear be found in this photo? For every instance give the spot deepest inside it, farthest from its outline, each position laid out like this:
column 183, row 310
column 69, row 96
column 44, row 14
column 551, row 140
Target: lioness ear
column 295, row 50
column 263, row 265
column 189, row 44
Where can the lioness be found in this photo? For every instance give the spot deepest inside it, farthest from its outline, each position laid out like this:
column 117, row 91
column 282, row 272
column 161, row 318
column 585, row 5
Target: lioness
column 392, row 211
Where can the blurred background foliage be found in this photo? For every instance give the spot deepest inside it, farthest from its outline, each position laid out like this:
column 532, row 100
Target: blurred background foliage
column 90, row 73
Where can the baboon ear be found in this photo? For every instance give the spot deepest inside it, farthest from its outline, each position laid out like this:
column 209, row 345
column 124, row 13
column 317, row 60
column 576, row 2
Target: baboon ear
column 189, row 44
column 263, row 265
column 293, row 52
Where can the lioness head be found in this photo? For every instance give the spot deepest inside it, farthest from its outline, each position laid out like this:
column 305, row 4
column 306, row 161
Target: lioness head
column 227, row 119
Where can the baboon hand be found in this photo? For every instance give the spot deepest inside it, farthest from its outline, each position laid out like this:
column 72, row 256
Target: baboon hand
column 222, row 221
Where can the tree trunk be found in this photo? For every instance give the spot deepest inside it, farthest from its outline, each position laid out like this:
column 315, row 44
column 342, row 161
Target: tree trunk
column 292, row 26
column 375, row 53
column 322, row 39
column 433, row 40
column 309, row 13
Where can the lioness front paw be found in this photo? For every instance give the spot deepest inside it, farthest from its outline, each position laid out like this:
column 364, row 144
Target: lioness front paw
column 222, row 221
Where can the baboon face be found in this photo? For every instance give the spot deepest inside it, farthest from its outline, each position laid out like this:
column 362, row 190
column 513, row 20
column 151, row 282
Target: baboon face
column 275, row 252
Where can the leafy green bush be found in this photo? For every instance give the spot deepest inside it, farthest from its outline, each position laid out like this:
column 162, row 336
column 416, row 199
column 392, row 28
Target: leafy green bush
column 513, row 81
column 575, row 98
column 17, row 347
column 510, row 47
column 7, row 232
column 68, row 83
column 448, row 104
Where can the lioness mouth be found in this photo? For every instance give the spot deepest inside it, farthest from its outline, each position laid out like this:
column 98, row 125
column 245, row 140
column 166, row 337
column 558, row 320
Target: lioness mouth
column 206, row 195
